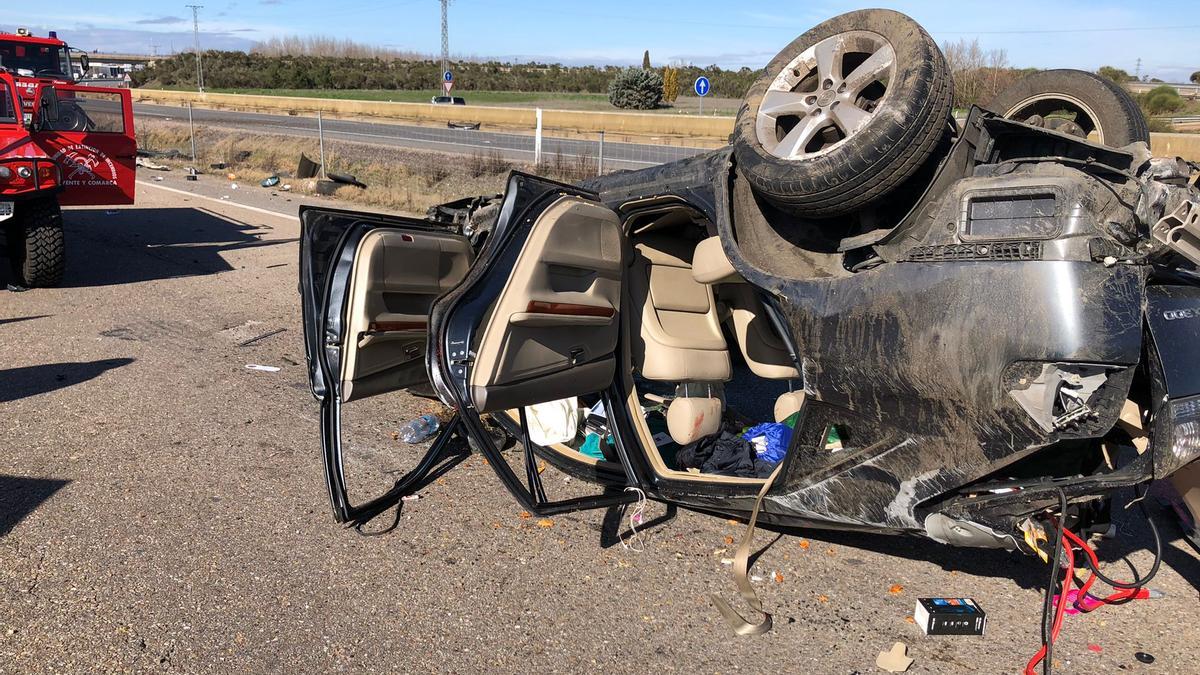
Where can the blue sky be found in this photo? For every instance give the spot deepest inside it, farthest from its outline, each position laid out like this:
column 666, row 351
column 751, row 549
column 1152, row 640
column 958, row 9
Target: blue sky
column 1165, row 34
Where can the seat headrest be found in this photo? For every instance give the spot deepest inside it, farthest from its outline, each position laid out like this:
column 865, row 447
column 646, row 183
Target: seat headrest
column 711, row 266
column 788, row 404
column 690, row 419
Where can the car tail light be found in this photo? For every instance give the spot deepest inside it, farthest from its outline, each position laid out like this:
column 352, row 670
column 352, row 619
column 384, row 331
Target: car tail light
column 1185, row 413
column 19, row 177
column 47, row 175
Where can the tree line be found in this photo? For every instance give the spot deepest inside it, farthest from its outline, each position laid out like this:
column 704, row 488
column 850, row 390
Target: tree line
column 257, row 70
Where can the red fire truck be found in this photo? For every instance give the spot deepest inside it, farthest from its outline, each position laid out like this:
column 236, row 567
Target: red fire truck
column 60, row 144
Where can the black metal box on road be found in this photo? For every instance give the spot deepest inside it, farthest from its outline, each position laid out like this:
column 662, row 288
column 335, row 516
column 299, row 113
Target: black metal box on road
column 950, row 616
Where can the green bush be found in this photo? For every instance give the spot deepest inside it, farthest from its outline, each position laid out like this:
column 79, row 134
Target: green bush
column 636, row 89
column 1161, row 100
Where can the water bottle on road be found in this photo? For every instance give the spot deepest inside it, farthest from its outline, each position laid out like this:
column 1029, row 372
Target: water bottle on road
column 419, row 429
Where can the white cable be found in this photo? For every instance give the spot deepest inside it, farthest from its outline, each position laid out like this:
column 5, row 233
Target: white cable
column 636, row 542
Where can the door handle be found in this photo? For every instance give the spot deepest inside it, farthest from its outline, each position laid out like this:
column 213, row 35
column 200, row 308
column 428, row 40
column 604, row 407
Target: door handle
column 576, row 355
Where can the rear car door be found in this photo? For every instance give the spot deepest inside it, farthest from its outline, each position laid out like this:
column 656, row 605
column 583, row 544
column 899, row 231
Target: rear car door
column 92, row 141
column 367, row 282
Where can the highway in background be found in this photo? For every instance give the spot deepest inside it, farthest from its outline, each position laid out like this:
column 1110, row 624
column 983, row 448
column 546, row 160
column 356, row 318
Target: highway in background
column 514, row 147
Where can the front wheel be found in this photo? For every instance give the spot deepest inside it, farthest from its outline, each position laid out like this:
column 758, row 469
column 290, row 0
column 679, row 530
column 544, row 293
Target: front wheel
column 36, row 245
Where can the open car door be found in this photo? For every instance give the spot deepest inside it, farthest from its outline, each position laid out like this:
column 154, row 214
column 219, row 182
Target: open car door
column 88, row 132
column 366, row 283
column 536, row 320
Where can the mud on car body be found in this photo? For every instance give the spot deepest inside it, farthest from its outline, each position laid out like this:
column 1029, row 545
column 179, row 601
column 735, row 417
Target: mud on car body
column 988, row 316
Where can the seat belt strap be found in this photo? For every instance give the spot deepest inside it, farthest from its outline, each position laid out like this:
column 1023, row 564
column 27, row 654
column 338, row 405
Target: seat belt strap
column 741, row 575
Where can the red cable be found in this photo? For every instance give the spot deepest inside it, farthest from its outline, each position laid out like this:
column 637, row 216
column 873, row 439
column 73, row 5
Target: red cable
column 1079, row 604
column 1118, row 596
column 1059, row 611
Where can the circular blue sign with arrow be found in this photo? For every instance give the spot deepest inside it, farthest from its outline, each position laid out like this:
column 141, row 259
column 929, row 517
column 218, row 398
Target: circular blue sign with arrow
column 448, row 76
column 702, row 86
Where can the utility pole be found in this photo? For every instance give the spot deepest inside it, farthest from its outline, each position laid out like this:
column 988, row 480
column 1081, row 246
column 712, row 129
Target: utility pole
column 154, row 50
column 1137, row 74
column 445, row 36
column 196, row 34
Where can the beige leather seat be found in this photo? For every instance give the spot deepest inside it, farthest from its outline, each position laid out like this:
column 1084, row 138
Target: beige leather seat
column 761, row 346
column 676, row 332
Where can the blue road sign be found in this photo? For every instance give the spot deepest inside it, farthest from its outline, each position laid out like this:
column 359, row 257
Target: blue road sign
column 447, row 76
column 702, row 86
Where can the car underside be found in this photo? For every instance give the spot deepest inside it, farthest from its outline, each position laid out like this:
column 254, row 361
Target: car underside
column 1001, row 324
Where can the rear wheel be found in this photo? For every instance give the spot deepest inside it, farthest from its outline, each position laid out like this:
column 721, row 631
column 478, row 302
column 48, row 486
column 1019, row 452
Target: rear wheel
column 844, row 114
column 1075, row 101
column 36, row 245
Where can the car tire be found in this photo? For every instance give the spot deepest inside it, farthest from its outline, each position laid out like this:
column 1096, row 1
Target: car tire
column 36, row 245
column 821, row 137
column 1099, row 104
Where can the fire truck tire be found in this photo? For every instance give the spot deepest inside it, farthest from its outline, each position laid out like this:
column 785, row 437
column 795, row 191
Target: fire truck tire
column 36, row 245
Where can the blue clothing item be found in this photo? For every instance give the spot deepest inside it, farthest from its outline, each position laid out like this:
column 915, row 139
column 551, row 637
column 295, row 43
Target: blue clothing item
column 777, row 437
column 591, row 446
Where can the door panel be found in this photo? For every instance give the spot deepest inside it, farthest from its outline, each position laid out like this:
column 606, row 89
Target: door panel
column 395, row 279
column 92, row 141
column 553, row 330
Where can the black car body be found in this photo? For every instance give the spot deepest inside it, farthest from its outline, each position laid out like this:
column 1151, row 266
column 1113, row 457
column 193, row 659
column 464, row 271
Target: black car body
column 1013, row 329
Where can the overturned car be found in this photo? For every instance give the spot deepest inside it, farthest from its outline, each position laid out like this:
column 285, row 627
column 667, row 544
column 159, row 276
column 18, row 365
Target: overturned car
column 961, row 324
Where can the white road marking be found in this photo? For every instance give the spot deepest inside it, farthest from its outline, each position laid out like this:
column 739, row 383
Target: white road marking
column 269, row 212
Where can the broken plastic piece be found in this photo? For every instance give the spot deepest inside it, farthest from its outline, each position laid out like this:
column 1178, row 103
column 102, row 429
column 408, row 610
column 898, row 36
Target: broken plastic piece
column 265, row 369
column 270, row 181
column 1180, row 230
column 894, row 660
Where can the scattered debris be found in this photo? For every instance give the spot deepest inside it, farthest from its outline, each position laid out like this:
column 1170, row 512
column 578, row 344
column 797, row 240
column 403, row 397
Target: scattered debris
column 950, row 616
column 241, row 156
column 286, row 187
column 1144, row 657
column 158, row 179
column 231, row 175
column 307, row 168
column 469, row 126
column 410, row 498
column 326, row 188
column 256, row 338
column 192, row 173
column 525, row 515
column 804, row 544
column 895, row 660
column 143, row 163
column 265, row 369
column 545, row 523
column 1095, row 648
column 896, row 589
column 270, row 181
column 219, row 166
column 346, row 179
column 419, row 429
column 165, row 154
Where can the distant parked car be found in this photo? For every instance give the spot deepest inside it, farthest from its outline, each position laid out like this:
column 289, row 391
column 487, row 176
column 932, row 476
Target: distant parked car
column 448, row 100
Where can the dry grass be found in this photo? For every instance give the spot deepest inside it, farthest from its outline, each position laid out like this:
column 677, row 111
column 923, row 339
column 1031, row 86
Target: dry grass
column 401, row 180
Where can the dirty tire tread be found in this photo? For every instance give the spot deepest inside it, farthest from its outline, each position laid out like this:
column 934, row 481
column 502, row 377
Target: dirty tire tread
column 881, row 156
column 37, row 245
column 1120, row 115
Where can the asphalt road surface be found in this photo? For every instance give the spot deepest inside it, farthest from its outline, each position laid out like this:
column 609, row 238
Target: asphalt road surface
column 516, row 147
column 162, row 509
